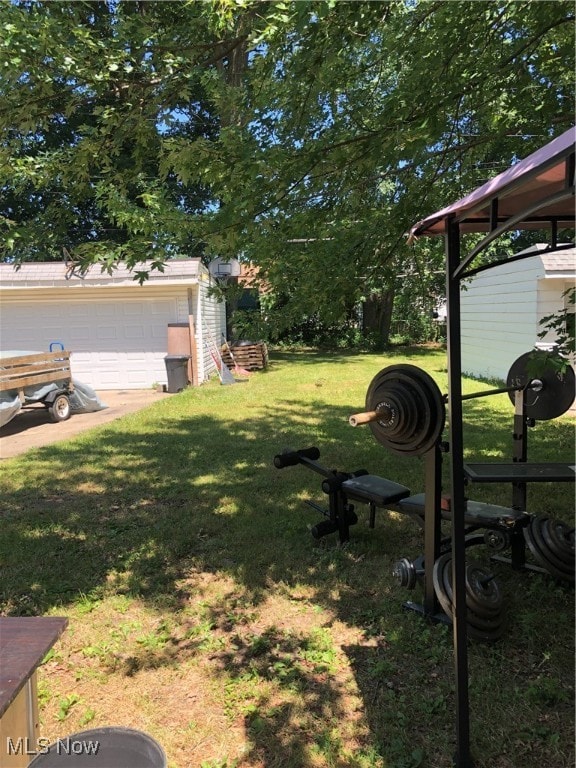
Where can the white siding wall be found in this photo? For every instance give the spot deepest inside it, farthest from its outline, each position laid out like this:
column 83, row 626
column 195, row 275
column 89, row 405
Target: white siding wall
column 499, row 316
column 210, row 325
column 551, row 298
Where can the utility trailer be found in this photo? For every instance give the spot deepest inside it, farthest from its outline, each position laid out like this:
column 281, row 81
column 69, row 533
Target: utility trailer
column 42, row 377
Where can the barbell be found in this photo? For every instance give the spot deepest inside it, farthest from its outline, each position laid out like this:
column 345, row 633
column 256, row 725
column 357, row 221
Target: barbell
column 406, row 411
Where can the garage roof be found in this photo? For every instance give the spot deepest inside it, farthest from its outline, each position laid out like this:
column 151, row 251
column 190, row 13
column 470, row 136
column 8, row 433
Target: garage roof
column 58, row 274
column 561, row 263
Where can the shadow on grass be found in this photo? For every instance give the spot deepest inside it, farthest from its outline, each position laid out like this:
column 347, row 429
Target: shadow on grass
column 306, row 356
column 141, row 507
column 137, row 509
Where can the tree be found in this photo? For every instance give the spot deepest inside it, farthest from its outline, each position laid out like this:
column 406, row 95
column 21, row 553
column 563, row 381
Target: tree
column 366, row 116
column 307, row 135
column 92, row 92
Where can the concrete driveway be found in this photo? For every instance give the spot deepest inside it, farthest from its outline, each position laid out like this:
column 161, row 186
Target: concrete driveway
column 32, row 427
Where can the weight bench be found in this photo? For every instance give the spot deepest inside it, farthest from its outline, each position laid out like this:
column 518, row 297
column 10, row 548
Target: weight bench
column 380, row 493
column 377, row 492
column 374, row 491
column 499, row 528
column 342, row 488
column 478, row 513
column 502, row 527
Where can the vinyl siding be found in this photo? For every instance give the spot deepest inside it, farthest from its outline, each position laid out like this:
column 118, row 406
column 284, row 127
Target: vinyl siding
column 499, row 317
column 210, row 326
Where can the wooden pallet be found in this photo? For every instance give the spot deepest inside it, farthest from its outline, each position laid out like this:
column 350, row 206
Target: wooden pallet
column 250, row 356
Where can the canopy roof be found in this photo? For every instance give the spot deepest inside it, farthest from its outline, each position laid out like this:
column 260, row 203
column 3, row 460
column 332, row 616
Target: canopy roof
column 532, row 194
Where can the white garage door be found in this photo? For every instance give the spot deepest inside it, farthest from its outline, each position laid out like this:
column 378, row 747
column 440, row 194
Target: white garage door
column 118, row 344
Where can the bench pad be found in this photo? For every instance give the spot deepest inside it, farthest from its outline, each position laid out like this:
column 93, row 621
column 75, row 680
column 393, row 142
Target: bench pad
column 372, row 489
column 477, row 512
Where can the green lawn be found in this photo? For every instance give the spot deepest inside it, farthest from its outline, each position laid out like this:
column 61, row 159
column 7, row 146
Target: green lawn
column 202, row 612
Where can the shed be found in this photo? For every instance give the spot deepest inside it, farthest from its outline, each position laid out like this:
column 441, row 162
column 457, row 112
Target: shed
column 117, row 330
column 501, row 308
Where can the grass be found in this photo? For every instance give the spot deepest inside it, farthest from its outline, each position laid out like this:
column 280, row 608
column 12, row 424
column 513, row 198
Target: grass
column 201, row 611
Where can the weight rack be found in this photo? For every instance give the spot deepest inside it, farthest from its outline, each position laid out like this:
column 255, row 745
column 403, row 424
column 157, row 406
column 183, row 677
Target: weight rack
column 401, row 399
column 536, row 193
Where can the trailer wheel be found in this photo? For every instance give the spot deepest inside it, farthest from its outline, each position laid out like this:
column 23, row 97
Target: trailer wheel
column 59, row 410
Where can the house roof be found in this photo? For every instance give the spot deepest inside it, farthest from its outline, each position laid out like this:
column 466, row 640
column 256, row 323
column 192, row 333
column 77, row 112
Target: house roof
column 538, row 189
column 560, row 262
column 59, row 274
column 554, row 261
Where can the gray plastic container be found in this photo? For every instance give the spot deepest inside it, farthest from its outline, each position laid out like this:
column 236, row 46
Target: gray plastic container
column 177, row 372
column 112, row 747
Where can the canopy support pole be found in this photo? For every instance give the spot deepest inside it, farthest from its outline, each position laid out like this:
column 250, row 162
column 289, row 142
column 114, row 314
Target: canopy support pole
column 462, row 758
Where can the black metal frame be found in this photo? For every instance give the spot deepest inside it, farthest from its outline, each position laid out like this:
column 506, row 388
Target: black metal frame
column 340, row 515
column 456, row 269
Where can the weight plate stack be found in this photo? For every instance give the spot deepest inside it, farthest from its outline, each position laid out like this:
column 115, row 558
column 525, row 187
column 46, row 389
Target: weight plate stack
column 484, row 603
column 412, row 407
column 404, row 572
column 551, row 542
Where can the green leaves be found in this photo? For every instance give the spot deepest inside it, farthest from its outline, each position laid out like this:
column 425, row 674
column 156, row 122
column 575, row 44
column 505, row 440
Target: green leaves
column 307, row 135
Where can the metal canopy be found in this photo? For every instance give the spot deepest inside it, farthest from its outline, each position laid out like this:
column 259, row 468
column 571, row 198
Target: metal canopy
column 532, row 194
column 536, row 193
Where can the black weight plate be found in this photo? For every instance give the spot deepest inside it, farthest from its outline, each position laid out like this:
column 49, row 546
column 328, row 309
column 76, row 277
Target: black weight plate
column 447, row 575
column 479, row 628
column 547, row 555
column 483, row 623
column 550, row 561
column 531, row 541
column 482, row 597
column 447, row 580
column 560, row 539
column 435, row 407
column 485, row 610
column 552, row 558
column 558, row 388
column 485, row 636
column 441, row 566
column 402, row 428
column 535, row 541
column 417, row 408
column 418, row 421
column 399, row 419
column 562, row 556
column 497, row 541
column 405, row 573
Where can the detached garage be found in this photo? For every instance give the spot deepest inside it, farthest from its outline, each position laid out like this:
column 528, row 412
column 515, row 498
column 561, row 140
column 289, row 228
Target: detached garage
column 117, row 331
column 501, row 309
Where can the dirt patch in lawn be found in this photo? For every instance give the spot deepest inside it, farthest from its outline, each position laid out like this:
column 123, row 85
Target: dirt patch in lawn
column 226, row 682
